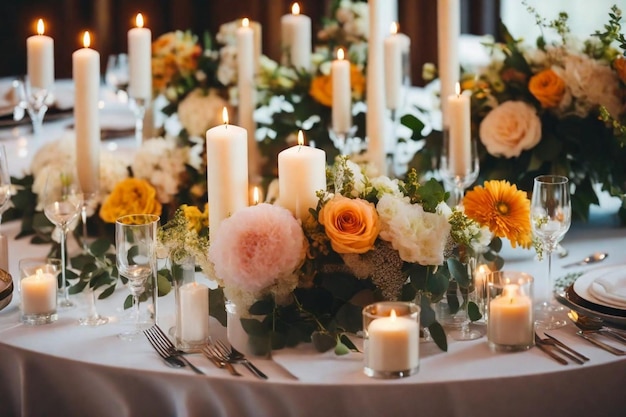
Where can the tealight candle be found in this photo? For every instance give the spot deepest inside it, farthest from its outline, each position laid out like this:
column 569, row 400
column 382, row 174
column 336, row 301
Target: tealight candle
column 140, row 60
column 39, row 298
column 193, row 313
column 296, row 39
column 460, row 151
column 40, row 59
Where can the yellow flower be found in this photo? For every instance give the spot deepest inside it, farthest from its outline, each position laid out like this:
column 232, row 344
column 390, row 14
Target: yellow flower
column 321, row 89
column 130, row 196
column 195, row 218
column 547, row 87
column 352, row 225
column 503, row 208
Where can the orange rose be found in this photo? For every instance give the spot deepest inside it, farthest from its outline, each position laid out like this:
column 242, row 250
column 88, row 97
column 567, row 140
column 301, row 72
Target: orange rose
column 547, row 87
column 352, row 225
column 321, row 89
column 130, row 196
column 620, row 66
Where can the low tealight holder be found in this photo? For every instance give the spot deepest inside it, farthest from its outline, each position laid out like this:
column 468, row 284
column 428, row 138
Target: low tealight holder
column 391, row 339
column 510, row 322
column 39, row 297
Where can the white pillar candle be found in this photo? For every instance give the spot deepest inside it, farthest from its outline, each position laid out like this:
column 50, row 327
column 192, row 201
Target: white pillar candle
column 393, row 344
column 375, row 116
column 301, row 174
column 194, row 311
column 227, row 171
column 296, row 39
column 140, row 61
column 448, row 32
column 510, row 318
column 460, row 144
column 396, row 47
column 342, row 94
column 247, row 93
column 86, row 74
column 39, row 293
column 40, row 59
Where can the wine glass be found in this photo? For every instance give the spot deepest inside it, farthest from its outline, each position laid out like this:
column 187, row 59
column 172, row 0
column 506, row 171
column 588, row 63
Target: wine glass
column 135, row 245
column 550, row 219
column 458, row 166
column 34, row 101
column 62, row 200
column 116, row 75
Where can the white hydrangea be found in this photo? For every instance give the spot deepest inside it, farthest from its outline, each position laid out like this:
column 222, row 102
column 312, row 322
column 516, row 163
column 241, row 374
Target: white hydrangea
column 227, row 70
column 113, row 169
column 385, row 185
column 200, row 111
column 60, row 152
column 418, row 236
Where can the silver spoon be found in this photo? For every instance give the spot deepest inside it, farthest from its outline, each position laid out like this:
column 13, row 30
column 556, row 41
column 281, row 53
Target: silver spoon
column 595, row 325
column 591, row 259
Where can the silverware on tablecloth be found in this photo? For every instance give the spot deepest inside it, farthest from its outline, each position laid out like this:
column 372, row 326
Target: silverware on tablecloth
column 592, row 325
column 232, row 355
column 565, row 347
column 547, row 349
column 215, row 356
column 556, row 351
column 591, row 339
column 591, row 259
column 166, row 349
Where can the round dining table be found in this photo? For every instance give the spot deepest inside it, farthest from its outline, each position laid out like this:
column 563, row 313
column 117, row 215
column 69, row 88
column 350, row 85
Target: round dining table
column 65, row 369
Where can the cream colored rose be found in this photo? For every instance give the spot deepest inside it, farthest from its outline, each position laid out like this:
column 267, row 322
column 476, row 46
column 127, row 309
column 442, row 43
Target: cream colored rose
column 510, row 128
column 200, row 111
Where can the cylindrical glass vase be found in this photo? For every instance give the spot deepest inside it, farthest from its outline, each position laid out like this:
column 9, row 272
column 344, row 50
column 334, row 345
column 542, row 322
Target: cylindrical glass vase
column 192, row 307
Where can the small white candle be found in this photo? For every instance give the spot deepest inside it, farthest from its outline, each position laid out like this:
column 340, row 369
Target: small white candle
column 247, row 92
column 227, row 171
column 86, row 74
column 510, row 318
column 460, row 144
column 39, row 293
column 194, row 312
column 393, row 344
column 448, row 33
column 140, row 61
column 396, row 47
column 40, row 59
column 301, row 174
column 480, row 276
column 296, row 39
column 342, row 94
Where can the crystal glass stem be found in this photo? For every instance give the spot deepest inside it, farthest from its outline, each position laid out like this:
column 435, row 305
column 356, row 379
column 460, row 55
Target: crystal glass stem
column 65, row 301
column 139, row 108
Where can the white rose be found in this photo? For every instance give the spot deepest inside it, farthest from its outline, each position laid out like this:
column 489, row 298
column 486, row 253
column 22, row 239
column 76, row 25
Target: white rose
column 510, row 128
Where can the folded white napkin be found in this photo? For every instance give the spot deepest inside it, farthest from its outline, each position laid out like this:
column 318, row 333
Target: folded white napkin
column 611, row 289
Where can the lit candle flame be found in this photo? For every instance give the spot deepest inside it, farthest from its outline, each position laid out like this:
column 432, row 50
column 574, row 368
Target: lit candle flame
column 457, row 89
column 245, row 22
column 340, row 54
column 394, row 28
column 39, row 273
column 139, row 20
column 255, row 195
column 40, row 27
column 392, row 314
column 86, row 39
column 225, row 115
column 295, row 9
column 300, row 138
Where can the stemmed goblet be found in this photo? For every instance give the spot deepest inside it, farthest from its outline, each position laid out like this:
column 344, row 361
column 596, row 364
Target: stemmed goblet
column 135, row 245
column 34, row 100
column 458, row 170
column 550, row 219
column 116, row 75
column 62, row 201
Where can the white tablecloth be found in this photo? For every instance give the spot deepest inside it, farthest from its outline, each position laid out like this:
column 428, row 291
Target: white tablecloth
column 70, row 370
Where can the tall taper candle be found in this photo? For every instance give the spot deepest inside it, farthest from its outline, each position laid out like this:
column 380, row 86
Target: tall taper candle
column 375, row 116
column 448, row 32
column 397, row 46
column 40, row 59
column 227, row 171
column 247, row 93
column 140, row 60
column 342, row 94
column 296, row 38
column 86, row 74
column 460, row 157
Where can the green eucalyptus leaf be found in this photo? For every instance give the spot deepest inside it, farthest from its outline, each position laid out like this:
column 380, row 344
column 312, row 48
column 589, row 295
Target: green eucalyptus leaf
column 473, row 311
column 439, row 336
column 427, row 314
column 100, row 247
column 106, row 293
column 323, row 341
column 254, row 327
column 262, row 307
column 163, row 285
column 217, row 305
column 128, row 302
column 259, row 345
column 348, row 343
column 69, row 274
column 77, row 288
column 458, row 271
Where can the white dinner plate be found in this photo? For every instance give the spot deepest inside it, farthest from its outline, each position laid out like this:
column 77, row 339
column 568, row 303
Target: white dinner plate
column 582, row 285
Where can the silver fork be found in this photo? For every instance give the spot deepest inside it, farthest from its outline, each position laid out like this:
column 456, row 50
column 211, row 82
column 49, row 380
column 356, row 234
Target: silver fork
column 232, row 355
column 211, row 352
column 165, row 348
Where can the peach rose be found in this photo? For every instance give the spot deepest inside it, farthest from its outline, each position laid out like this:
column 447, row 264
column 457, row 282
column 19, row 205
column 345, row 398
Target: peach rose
column 547, row 87
column 130, row 196
column 321, row 89
column 352, row 225
column 510, row 128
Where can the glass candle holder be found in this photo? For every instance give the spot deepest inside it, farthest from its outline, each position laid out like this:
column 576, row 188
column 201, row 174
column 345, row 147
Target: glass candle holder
column 510, row 322
column 192, row 307
column 38, row 290
column 391, row 345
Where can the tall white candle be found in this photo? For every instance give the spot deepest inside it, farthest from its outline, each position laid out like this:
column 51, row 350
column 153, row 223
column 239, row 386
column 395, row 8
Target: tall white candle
column 40, row 59
column 342, row 94
column 140, row 61
column 247, row 93
column 194, row 311
column 396, row 46
column 301, row 174
column 460, row 146
column 375, row 116
column 227, row 171
column 448, row 32
column 393, row 344
column 86, row 74
column 39, row 293
column 296, row 39
column 510, row 318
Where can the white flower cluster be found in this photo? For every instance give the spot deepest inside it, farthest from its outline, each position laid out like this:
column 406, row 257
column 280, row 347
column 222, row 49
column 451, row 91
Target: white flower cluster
column 200, row 111
column 350, row 27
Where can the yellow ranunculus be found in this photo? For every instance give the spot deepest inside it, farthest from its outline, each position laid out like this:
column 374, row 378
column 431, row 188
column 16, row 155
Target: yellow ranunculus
column 321, row 89
column 547, row 87
column 352, row 225
column 197, row 219
column 130, row 196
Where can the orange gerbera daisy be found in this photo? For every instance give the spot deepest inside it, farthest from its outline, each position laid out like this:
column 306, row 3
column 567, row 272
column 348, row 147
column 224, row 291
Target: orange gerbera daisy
column 503, row 208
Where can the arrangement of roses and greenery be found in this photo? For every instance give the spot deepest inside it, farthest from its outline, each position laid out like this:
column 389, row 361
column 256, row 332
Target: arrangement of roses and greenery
column 368, row 239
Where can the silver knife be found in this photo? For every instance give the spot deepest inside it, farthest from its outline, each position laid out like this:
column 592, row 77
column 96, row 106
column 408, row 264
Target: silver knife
column 569, row 349
column 601, row 345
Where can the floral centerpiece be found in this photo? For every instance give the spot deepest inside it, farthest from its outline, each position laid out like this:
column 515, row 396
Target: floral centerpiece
column 368, row 239
column 555, row 108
